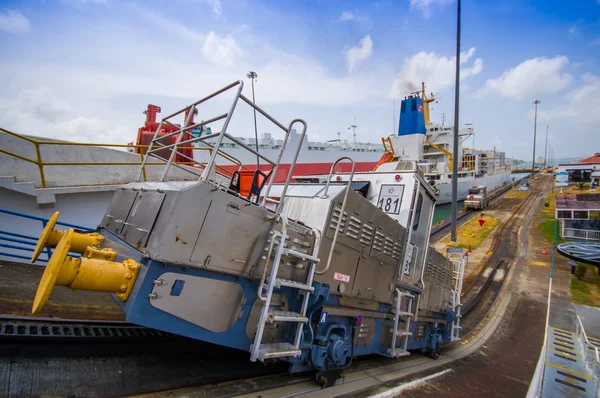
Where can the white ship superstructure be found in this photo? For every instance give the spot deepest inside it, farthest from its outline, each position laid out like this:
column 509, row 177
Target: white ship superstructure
column 432, row 146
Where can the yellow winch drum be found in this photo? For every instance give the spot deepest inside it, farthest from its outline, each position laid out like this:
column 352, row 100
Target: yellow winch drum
column 50, row 238
column 91, row 272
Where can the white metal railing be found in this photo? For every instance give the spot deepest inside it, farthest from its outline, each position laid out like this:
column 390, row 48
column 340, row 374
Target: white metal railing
column 590, row 353
column 586, row 234
column 204, row 170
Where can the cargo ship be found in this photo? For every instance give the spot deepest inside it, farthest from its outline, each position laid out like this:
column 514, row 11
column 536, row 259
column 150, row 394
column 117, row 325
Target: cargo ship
column 417, row 139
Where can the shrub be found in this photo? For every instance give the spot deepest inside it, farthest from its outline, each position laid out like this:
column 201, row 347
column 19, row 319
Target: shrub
column 547, row 204
column 580, row 271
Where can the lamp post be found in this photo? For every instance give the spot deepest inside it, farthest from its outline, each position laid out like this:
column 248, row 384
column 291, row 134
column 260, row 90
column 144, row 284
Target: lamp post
column 536, row 102
column 454, row 205
column 546, row 150
column 252, row 76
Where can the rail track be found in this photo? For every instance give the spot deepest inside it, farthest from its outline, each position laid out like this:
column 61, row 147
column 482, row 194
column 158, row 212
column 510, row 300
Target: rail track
column 500, row 245
column 481, row 294
column 443, row 226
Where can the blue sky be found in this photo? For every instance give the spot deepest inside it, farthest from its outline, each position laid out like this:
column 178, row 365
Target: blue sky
column 85, row 70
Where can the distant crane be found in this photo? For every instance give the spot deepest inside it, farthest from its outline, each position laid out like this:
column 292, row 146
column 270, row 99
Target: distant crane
column 353, row 127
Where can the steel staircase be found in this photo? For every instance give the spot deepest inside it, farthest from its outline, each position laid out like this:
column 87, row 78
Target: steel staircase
column 404, row 334
column 457, row 275
column 261, row 351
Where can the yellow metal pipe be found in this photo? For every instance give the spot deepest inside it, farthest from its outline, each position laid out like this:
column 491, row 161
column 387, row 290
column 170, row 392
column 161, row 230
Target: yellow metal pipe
column 19, row 135
column 40, row 164
column 91, row 274
column 16, row 155
column 51, row 238
column 96, row 275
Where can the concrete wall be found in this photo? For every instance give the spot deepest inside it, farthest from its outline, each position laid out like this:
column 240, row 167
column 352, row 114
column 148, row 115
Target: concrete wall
column 72, row 175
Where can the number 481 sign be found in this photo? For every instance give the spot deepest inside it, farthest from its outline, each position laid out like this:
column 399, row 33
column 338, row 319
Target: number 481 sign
column 390, row 198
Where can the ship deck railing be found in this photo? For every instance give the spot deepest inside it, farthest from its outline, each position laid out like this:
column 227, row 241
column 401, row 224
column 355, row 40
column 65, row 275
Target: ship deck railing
column 43, row 165
column 17, row 246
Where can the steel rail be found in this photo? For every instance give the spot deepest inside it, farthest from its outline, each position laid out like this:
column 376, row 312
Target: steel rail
column 467, row 287
column 25, row 327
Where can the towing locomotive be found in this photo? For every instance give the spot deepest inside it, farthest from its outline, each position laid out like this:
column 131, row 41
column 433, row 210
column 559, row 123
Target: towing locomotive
column 313, row 274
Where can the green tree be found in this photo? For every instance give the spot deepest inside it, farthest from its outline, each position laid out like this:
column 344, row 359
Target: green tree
column 582, row 186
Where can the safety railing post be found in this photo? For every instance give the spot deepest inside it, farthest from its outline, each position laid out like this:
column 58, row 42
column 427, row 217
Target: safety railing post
column 206, row 172
column 145, row 159
column 40, row 163
column 288, row 179
column 143, row 165
column 342, row 210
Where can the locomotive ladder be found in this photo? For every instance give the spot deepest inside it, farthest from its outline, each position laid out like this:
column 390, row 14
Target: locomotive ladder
column 458, row 263
column 405, row 333
column 283, row 349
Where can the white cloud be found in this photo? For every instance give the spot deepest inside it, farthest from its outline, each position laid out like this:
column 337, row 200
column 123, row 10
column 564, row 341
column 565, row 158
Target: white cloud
column 435, row 70
column 573, row 32
column 351, row 16
column 168, row 25
column 531, row 78
column 357, row 54
column 222, row 51
column 14, row 22
column 425, row 5
column 580, row 105
column 39, row 112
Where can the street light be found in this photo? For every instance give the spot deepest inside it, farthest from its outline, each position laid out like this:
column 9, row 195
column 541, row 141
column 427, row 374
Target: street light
column 454, row 205
column 536, row 102
column 252, row 76
column 546, row 150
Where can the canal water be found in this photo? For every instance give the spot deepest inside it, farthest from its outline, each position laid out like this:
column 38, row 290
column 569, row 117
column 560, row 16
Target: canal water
column 443, row 211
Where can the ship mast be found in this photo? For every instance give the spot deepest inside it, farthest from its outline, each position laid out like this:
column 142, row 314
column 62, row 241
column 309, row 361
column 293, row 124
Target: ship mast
column 426, row 101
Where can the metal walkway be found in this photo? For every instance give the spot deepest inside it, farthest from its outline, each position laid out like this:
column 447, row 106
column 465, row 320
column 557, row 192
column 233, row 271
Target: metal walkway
column 565, row 372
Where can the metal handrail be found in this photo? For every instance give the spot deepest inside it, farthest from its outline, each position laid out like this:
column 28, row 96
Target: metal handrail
column 458, row 264
column 279, row 207
column 139, row 149
column 339, row 223
column 182, row 130
column 216, row 146
column 591, row 364
column 584, row 234
column 27, row 240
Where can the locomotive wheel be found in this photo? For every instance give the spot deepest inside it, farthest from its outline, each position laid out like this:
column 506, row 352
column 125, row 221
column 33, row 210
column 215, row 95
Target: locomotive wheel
column 328, row 378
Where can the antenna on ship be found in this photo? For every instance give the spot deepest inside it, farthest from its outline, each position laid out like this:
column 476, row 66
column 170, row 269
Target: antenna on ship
column 252, row 76
column 353, row 127
column 443, row 118
column 470, row 130
column 339, row 137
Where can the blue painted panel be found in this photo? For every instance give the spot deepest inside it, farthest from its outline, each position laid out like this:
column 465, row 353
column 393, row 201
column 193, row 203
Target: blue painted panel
column 139, row 311
column 412, row 117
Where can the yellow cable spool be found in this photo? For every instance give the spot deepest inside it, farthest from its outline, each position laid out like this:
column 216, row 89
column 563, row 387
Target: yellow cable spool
column 50, row 238
column 84, row 274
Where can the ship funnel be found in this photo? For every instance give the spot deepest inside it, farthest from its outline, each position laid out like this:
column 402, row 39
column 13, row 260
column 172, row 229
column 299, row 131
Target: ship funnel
column 50, row 238
column 412, row 116
column 94, row 271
